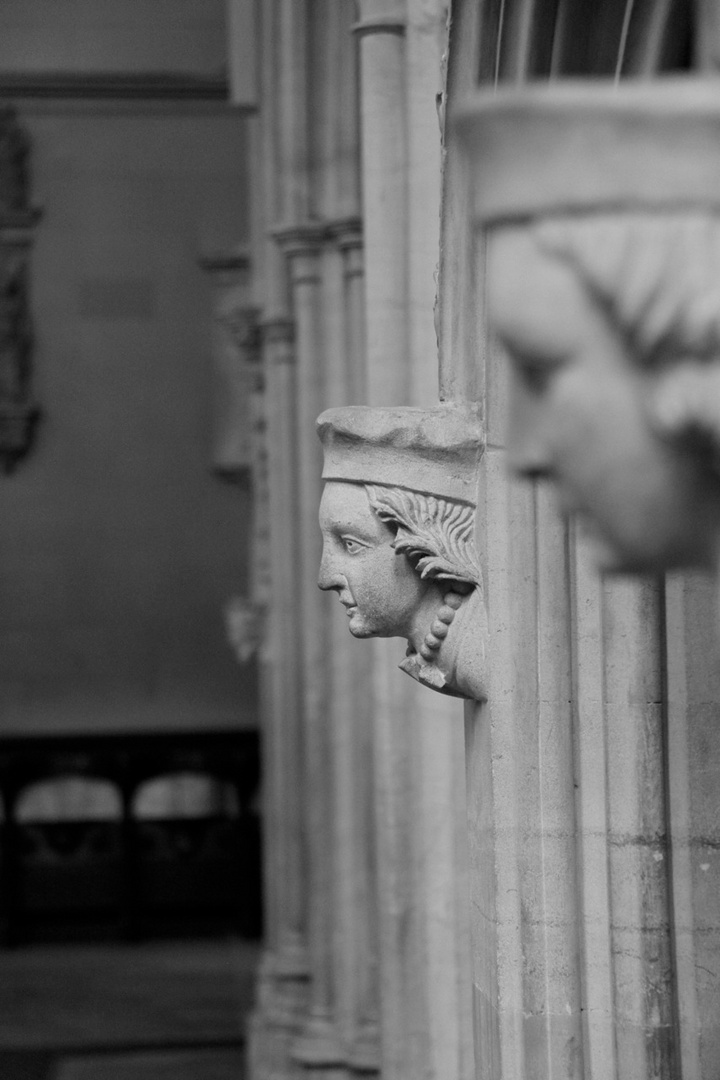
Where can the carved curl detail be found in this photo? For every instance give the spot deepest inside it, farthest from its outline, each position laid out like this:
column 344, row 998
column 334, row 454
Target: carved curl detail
column 657, row 278
column 437, row 535
column 656, row 275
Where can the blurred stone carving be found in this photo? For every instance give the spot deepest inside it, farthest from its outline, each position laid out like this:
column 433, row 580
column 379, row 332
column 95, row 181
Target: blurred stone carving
column 18, row 411
column 601, row 208
column 398, row 523
column 245, row 624
column 14, row 154
column 237, row 372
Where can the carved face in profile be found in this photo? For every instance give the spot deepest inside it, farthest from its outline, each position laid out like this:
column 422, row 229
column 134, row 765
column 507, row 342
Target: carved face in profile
column 593, row 342
column 382, row 593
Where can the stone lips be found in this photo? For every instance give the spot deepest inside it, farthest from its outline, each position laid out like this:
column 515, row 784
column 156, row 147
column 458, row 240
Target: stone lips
column 433, row 451
column 591, row 146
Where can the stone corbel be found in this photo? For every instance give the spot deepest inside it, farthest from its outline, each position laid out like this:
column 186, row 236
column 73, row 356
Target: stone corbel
column 236, row 361
column 599, row 210
column 398, row 523
column 18, row 410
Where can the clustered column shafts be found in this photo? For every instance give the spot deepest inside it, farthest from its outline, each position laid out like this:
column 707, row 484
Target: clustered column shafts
column 331, row 1031
column 418, row 764
column 582, row 940
column 381, row 33
column 382, row 926
column 284, row 974
column 317, row 1046
column 587, row 939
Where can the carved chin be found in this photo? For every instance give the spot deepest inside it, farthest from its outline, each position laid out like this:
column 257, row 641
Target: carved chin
column 358, row 625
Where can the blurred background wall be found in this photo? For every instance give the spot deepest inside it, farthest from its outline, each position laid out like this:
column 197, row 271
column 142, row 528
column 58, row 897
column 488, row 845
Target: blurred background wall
column 118, row 548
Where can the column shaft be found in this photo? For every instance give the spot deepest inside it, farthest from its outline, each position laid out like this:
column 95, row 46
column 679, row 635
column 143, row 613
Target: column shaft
column 356, row 953
column 419, row 815
column 283, row 984
column 693, row 696
column 318, row 1047
column 384, row 183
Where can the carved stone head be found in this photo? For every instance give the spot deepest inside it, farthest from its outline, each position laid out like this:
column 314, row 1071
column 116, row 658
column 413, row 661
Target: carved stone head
column 601, row 208
column 398, row 523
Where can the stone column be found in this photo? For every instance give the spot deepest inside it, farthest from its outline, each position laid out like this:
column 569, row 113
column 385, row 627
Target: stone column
column 425, row 48
column 356, row 958
column 381, row 30
column 418, row 751
column 572, row 938
column 350, row 241
column 591, row 821
column 693, row 763
column 284, row 973
column 442, row 883
column 279, row 193
column 520, row 796
column 628, row 948
column 318, row 1047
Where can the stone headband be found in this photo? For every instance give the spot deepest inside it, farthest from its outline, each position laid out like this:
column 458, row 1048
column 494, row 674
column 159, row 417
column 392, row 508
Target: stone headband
column 579, row 146
column 433, row 451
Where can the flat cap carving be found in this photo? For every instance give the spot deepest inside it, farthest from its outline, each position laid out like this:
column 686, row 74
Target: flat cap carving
column 434, row 451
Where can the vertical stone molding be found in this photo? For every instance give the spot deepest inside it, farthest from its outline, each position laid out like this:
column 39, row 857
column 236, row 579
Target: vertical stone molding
column 334, row 136
column 426, row 42
column 693, row 695
column 288, row 40
column 623, row 850
column 309, row 172
column 284, row 974
column 381, row 32
column 318, row 1046
column 348, row 235
column 386, row 860
column 565, row 767
column 355, row 883
column 417, row 737
column 585, row 781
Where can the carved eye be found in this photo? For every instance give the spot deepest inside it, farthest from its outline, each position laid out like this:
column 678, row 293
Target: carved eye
column 352, row 546
column 535, row 376
column 536, row 370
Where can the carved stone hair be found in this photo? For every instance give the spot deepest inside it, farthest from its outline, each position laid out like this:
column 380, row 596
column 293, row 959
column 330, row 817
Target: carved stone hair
column 656, row 275
column 436, row 534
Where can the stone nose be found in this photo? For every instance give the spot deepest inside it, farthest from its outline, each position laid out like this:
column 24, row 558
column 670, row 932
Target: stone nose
column 528, row 452
column 328, row 576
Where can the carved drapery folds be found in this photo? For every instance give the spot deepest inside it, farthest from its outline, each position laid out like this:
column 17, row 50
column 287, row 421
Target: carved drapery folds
column 398, row 524
column 18, row 411
column 604, row 203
